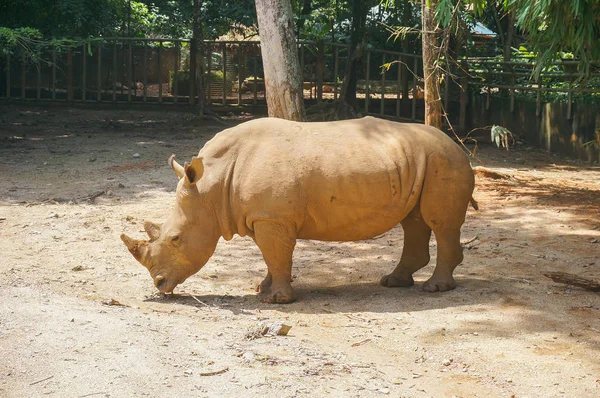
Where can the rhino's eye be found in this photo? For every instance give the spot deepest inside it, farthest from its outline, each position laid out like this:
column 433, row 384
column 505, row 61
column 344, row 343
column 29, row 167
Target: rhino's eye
column 175, row 239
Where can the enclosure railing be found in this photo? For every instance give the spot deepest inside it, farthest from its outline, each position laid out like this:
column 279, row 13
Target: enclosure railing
column 156, row 71
column 559, row 82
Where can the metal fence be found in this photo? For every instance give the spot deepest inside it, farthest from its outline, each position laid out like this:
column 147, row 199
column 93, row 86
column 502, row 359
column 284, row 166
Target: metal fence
column 560, row 82
column 156, row 71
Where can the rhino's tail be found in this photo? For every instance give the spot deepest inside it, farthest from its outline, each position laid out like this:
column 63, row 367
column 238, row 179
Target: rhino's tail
column 474, row 203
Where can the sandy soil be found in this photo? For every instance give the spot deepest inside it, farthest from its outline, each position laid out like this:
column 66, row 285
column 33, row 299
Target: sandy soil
column 79, row 317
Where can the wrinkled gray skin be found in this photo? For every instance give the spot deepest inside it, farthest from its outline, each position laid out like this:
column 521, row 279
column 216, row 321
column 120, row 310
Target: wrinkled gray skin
column 277, row 181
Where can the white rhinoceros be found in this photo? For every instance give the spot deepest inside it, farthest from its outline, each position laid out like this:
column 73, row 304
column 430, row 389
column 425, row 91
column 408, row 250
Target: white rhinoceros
column 277, row 181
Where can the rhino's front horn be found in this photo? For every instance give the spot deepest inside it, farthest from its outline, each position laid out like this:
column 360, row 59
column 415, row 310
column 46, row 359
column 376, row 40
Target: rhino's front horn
column 136, row 247
column 177, row 168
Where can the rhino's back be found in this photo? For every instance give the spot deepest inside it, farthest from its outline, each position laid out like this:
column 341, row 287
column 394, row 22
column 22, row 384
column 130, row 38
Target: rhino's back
column 346, row 180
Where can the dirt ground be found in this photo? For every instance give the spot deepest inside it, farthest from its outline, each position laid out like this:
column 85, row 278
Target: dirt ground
column 79, row 317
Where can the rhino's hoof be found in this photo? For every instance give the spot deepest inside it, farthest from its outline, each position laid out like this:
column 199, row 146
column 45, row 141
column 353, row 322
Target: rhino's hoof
column 393, row 281
column 278, row 298
column 438, row 285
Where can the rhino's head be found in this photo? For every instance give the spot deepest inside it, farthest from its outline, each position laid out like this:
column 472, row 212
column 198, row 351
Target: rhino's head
column 182, row 245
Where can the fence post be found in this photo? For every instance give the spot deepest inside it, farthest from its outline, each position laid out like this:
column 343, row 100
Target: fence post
column 99, row 76
column 145, row 73
column 39, row 80
column 114, row 74
column 53, row 73
column 415, row 89
column 464, row 97
column 320, row 72
column 224, row 58
column 8, row 75
column 176, row 73
column 84, row 72
column 398, row 88
column 538, row 102
column 335, row 72
column 367, row 81
column 241, row 72
column 70, row 75
column 159, row 70
column 23, row 76
column 130, row 80
column 382, row 103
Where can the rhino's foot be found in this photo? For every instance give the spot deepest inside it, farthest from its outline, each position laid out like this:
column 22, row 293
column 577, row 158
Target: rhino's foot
column 392, row 280
column 279, row 297
column 264, row 286
column 439, row 285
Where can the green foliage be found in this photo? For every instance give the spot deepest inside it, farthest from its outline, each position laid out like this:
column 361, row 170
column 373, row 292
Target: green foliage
column 557, row 26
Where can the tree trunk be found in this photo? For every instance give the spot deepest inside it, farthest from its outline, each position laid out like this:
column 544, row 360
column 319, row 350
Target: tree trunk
column 431, row 54
column 510, row 29
column 283, row 79
column 355, row 51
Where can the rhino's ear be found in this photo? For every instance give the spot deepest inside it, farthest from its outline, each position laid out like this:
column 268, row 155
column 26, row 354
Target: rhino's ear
column 194, row 171
column 136, row 247
column 152, row 229
column 177, row 168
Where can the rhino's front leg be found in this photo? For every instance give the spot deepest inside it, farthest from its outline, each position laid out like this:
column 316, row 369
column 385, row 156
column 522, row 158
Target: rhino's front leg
column 276, row 241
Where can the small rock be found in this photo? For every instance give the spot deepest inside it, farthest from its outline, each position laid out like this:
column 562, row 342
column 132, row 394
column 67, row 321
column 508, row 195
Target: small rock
column 249, row 357
column 53, row 215
column 136, row 155
column 121, row 186
column 384, row 390
column 92, row 159
column 594, row 241
column 77, row 268
column 447, row 362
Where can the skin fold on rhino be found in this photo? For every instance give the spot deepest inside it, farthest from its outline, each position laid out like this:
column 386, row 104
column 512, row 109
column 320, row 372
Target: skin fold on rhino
column 277, row 181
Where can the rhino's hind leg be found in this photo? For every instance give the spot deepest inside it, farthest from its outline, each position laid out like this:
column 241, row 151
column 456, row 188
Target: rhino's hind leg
column 449, row 255
column 415, row 254
column 276, row 242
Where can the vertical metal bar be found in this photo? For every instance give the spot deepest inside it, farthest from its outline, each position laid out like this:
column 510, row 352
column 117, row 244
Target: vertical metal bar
column 129, row 81
column 414, row 96
column 23, row 76
column 570, row 102
column 538, row 102
column 255, row 67
column 39, row 80
column 240, row 66
column 8, row 75
column 512, row 91
column 99, row 76
column 382, row 103
column 54, row 73
column 83, row 72
column 70, row 75
column 301, row 71
column 335, row 72
column 114, row 72
column 176, row 72
column 398, row 88
column 145, row 72
column 209, row 75
column 367, row 81
column 320, row 70
column 159, row 71
column 224, row 55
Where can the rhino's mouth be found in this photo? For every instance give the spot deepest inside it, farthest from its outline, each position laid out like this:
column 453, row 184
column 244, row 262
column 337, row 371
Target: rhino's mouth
column 164, row 285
